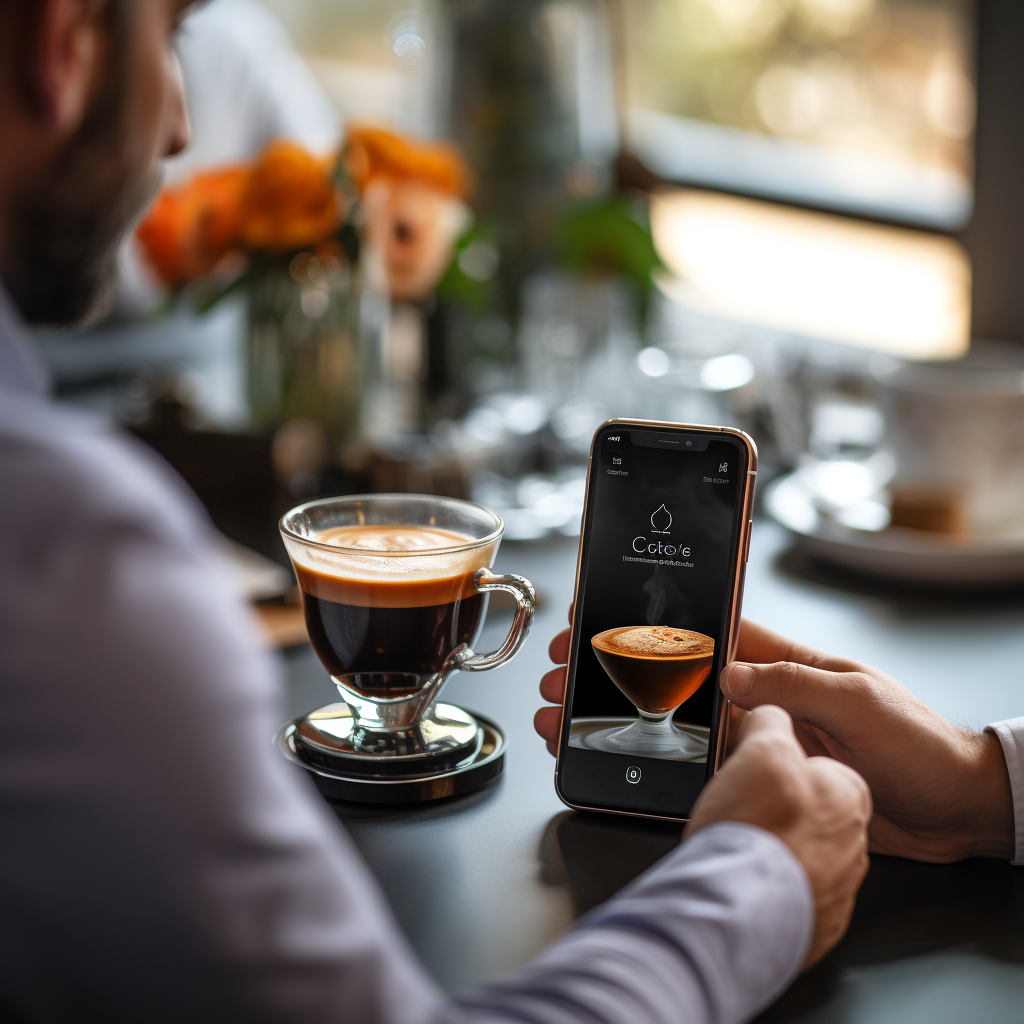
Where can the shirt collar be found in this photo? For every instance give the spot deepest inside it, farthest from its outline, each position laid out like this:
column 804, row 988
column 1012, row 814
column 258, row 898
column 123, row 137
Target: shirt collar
column 20, row 369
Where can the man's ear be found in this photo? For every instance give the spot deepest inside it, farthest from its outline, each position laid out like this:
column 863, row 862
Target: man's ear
column 69, row 43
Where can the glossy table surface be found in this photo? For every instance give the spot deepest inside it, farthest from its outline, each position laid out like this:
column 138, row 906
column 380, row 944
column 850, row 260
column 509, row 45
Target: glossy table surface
column 482, row 883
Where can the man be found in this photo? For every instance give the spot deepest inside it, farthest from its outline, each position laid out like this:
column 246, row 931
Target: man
column 159, row 860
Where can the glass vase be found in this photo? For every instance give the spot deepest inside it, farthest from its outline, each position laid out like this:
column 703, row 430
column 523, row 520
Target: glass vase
column 305, row 357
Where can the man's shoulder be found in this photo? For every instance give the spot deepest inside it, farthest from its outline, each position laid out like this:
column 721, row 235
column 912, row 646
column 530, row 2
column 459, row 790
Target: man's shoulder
column 65, row 470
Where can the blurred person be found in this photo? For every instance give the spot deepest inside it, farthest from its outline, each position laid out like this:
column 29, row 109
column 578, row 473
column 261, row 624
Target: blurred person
column 246, row 85
column 161, row 860
column 940, row 792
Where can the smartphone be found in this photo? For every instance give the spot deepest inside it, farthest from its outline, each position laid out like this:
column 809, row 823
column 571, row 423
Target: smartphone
column 656, row 612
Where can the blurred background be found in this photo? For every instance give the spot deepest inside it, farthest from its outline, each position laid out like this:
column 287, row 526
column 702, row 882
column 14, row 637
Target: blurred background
column 742, row 212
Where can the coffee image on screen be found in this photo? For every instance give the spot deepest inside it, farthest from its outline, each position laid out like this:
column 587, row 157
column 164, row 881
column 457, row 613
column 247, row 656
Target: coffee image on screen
column 389, row 631
column 656, row 667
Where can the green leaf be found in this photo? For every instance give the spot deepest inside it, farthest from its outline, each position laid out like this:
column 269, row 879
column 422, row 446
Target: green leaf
column 476, row 295
column 611, row 236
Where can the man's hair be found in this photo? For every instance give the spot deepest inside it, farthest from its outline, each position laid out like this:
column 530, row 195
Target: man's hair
column 60, row 256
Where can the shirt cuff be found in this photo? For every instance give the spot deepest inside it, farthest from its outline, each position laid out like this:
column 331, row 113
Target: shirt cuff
column 1011, row 738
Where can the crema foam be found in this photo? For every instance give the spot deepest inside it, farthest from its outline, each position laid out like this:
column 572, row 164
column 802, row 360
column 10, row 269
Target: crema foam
column 655, row 642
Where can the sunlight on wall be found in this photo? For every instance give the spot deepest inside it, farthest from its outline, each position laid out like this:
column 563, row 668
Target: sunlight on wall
column 890, row 289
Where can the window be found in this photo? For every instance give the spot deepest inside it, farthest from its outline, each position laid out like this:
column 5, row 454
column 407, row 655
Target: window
column 863, row 106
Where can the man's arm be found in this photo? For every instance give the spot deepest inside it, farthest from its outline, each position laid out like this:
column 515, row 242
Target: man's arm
column 161, row 859
column 710, row 935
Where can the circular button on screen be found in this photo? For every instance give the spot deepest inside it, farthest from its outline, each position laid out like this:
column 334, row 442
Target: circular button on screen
column 633, row 774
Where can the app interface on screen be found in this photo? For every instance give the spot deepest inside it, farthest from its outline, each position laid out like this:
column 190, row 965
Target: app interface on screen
column 654, row 608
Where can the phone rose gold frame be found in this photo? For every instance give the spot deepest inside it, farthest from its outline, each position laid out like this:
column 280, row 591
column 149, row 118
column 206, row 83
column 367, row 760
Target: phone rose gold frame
column 736, row 597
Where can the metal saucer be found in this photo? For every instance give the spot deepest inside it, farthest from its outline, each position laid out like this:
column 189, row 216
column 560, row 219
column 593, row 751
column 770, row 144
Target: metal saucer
column 334, row 776
column 333, row 737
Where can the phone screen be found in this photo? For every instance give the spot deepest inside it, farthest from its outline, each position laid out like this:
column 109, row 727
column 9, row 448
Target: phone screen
column 660, row 546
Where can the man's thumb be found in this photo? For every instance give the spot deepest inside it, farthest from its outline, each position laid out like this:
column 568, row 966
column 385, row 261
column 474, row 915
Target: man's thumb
column 737, row 680
column 808, row 694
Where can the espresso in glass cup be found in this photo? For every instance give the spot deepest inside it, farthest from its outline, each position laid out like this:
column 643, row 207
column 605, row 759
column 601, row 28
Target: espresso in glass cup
column 658, row 668
column 395, row 589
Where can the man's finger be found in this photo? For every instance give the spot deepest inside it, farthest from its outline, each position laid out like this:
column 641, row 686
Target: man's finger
column 552, row 685
column 833, row 701
column 548, row 722
column 558, row 649
column 766, row 720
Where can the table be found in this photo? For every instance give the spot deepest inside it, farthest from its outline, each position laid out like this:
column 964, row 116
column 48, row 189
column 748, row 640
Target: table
column 480, row 884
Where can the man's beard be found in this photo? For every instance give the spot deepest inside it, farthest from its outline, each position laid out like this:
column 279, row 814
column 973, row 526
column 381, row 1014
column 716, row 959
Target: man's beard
column 60, row 256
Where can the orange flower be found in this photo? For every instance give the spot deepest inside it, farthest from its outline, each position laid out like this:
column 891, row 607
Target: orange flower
column 411, row 210
column 289, row 201
column 191, row 227
column 372, row 153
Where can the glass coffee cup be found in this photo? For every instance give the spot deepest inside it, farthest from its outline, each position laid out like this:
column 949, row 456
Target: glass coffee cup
column 395, row 590
column 658, row 668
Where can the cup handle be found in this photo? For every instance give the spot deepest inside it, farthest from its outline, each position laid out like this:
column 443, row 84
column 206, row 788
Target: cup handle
column 526, row 602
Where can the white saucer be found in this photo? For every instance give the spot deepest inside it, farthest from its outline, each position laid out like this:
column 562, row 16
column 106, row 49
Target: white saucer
column 896, row 552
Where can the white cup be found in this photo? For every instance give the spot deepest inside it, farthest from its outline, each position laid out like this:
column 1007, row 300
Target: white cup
column 956, row 430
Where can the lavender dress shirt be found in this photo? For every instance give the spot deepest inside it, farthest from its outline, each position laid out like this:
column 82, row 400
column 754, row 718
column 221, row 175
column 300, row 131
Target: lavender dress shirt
column 160, row 861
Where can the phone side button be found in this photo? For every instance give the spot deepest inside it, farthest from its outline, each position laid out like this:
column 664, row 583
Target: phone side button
column 750, row 530
column 632, row 774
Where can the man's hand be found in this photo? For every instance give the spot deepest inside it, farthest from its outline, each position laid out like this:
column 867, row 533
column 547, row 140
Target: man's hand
column 941, row 792
column 818, row 807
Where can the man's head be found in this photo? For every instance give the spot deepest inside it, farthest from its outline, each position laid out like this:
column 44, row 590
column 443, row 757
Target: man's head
column 90, row 99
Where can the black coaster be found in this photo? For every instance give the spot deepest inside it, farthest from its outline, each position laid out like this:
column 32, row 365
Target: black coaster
column 336, row 779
